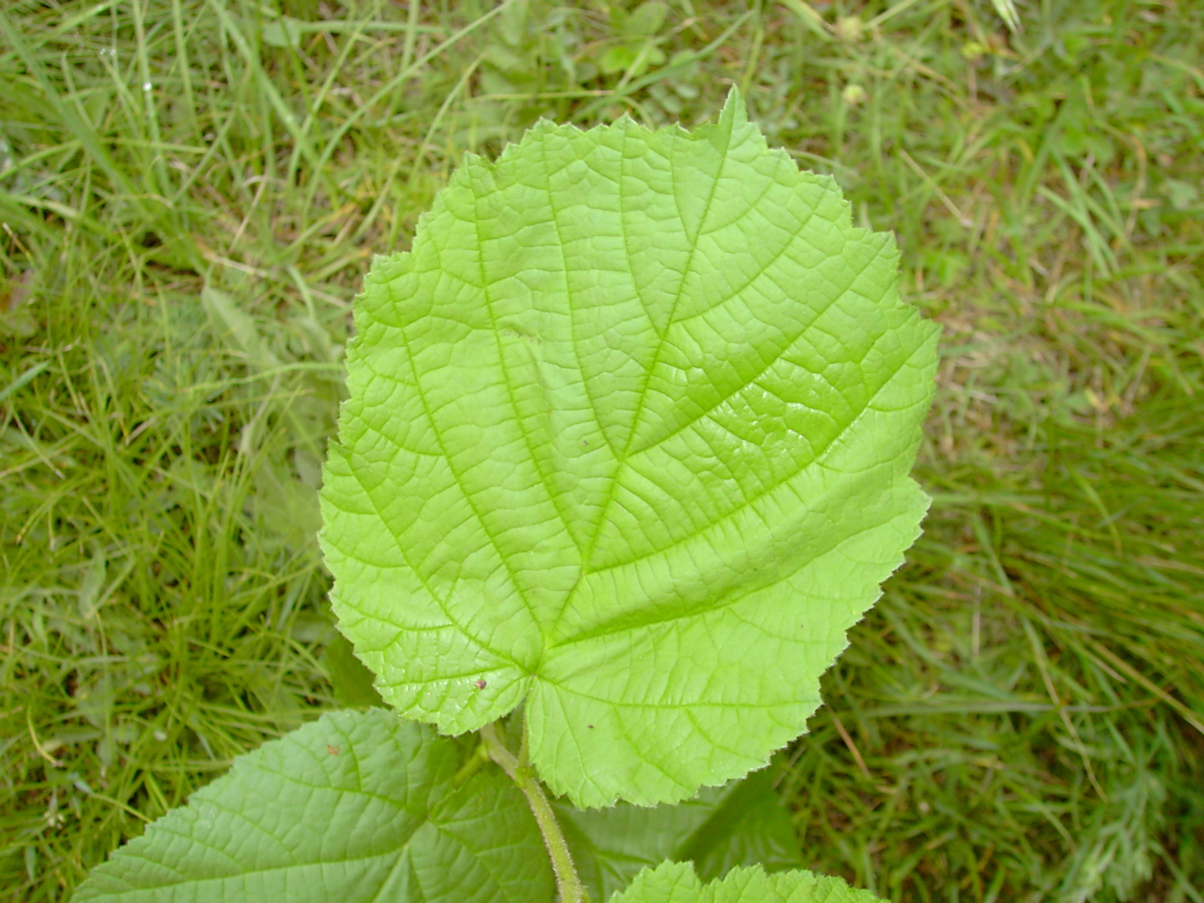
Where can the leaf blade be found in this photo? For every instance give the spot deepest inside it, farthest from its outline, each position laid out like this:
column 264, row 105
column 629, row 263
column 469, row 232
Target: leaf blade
column 356, row 806
column 636, row 416
column 676, row 883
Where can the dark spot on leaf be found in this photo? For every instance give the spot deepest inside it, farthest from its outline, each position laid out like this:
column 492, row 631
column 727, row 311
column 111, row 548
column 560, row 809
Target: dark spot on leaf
column 481, row 683
column 590, row 726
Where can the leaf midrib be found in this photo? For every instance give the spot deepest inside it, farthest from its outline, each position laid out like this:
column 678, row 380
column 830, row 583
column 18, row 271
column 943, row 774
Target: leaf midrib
column 641, row 405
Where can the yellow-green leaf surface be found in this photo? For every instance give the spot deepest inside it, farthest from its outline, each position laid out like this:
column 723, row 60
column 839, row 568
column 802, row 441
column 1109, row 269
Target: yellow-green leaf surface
column 675, row 882
column 628, row 439
column 356, row 807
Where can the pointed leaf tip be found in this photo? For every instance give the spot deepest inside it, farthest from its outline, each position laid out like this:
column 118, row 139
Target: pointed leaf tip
column 735, row 104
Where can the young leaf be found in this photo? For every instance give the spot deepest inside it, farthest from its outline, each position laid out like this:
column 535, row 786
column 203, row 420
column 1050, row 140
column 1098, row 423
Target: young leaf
column 355, row 807
column 628, row 439
column 675, row 882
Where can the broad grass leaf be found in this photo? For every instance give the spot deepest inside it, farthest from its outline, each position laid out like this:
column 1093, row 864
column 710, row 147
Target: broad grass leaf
column 355, row 807
column 628, row 441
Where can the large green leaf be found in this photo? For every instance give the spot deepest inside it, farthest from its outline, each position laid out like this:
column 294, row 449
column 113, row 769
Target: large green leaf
column 676, row 882
column 355, row 807
column 743, row 823
column 628, row 439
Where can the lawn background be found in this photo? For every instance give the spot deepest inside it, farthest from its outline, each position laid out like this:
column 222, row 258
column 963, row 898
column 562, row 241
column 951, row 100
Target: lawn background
column 192, row 190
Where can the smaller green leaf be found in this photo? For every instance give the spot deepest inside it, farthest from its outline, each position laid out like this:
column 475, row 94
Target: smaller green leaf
column 349, row 677
column 91, row 588
column 676, row 882
column 642, row 22
column 623, row 57
column 236, row 329
column 743, row 823
column 750, row 826
column 355, row 807
column 282, row 32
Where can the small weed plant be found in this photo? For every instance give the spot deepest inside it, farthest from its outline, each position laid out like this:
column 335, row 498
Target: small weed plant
column 626, row 454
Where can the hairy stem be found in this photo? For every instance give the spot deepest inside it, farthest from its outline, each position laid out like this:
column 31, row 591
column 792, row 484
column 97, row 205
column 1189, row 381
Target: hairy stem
column 567, row 881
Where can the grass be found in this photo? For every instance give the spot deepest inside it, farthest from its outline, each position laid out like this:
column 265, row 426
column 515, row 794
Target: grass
column 190, row 191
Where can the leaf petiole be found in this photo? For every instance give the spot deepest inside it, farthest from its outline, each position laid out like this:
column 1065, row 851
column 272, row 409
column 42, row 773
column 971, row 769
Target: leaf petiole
column 479, row 757
column 523, row 775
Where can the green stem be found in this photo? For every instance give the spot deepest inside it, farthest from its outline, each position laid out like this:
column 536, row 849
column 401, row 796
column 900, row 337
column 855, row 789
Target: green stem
column 567, row 881
column 479, row 757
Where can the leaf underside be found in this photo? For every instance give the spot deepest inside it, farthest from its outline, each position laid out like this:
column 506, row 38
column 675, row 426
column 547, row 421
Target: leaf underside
column 355, row 807
column 628, row 440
